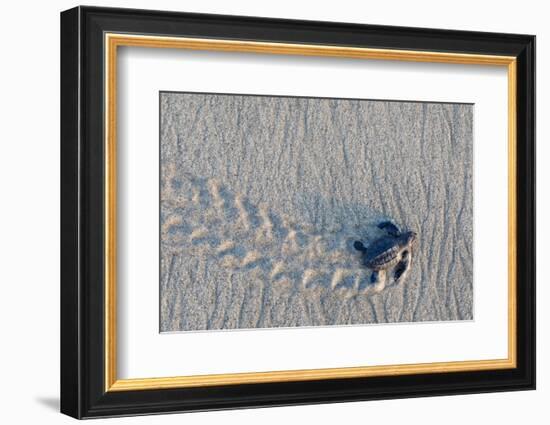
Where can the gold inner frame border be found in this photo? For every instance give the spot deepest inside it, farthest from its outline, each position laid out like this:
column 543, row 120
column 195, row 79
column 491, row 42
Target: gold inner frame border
column 111, row 43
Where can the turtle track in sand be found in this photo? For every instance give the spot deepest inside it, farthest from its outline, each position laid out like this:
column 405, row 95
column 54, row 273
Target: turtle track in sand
column 205, row 218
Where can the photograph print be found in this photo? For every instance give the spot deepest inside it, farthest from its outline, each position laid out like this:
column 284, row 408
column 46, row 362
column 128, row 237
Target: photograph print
column 283, row 212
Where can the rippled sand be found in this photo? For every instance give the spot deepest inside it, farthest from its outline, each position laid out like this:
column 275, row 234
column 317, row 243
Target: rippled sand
column 262, row 198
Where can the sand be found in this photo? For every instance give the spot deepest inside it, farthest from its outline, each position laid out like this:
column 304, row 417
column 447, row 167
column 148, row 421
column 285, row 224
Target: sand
column 262, row 198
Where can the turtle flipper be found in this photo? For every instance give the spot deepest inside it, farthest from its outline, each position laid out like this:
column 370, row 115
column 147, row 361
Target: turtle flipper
column 389, row 227
column 402, row 267
column 358, row 245
column 378, row 280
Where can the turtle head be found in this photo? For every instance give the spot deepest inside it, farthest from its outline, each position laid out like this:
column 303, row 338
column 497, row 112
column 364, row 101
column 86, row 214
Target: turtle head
column 410, row 238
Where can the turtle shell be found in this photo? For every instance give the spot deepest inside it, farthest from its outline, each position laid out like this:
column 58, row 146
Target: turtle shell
column 383, row 253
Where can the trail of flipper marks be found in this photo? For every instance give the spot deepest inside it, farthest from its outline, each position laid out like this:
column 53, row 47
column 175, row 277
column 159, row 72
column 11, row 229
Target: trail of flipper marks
column 203, row 218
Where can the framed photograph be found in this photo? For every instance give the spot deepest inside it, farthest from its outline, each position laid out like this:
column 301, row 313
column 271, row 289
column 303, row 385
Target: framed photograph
column 261, row 212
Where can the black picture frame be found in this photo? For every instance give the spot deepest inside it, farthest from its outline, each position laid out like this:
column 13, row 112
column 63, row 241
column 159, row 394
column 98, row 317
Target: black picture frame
column 83, row 392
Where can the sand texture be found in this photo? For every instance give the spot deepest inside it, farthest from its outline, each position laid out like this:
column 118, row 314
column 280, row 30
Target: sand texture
column 262, row 198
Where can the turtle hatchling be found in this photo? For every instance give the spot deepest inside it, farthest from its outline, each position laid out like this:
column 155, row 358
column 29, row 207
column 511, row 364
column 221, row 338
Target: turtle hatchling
column 388, row 253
